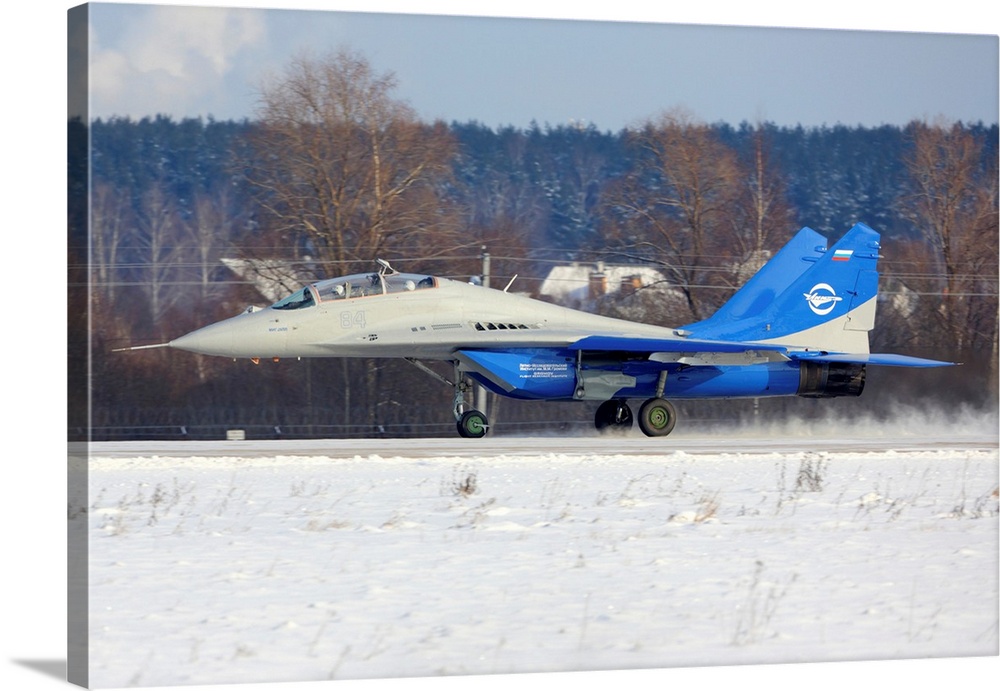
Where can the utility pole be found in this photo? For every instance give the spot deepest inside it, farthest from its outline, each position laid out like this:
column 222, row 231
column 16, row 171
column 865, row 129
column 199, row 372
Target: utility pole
column 480, row 391
column 486, row 266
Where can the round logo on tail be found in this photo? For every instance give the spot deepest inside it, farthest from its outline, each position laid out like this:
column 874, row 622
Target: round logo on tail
column 822, row 298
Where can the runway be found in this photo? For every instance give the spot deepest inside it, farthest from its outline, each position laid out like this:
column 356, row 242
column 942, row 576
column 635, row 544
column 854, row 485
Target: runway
column 494, row 446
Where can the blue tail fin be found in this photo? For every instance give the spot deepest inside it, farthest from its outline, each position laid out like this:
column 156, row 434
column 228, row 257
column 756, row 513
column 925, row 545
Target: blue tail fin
column 775, row 276
column 806, row 297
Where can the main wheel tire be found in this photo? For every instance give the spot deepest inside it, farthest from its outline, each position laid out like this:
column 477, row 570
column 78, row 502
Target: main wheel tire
column 613, row 415
column 657, row 417
column 473, row 425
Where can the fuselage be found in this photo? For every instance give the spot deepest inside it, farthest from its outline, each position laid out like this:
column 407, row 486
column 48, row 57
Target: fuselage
column 400, row 315
column 514, row 345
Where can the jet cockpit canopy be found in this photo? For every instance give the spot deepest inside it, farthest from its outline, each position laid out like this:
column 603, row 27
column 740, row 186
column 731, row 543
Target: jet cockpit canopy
column 354, row 286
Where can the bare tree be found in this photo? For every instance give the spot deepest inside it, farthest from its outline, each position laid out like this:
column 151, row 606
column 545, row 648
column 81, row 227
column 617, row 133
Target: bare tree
column 762, row 216
column 345, row 171
column 111, row 221
column 212, row 227
column 676, row 205
column 952, row 201
column 159, row 235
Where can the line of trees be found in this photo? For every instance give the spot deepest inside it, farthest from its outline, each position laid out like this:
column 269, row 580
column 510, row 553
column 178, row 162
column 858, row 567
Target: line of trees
column 334, row 171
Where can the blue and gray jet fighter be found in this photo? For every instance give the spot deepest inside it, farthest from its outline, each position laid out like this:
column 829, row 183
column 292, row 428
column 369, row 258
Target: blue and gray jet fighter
column 798, row 327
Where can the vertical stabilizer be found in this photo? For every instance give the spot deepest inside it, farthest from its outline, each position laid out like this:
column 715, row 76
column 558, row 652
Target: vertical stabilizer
column 806, row 297
column 757, row 294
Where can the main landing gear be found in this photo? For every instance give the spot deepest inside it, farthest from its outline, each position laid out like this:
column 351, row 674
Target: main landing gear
column 657, row 417
column 613, row 415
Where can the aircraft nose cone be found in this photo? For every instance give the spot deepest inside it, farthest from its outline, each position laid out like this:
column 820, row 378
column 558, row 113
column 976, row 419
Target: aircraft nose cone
column 215, row 339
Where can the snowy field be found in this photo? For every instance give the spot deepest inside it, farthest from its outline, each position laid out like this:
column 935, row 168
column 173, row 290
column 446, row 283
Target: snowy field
column 235, row 562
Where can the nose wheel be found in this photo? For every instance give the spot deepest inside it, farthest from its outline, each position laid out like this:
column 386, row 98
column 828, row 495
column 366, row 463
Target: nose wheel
column 473, row 425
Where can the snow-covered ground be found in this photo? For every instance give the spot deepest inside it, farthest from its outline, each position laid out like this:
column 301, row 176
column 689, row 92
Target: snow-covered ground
column 253, row 562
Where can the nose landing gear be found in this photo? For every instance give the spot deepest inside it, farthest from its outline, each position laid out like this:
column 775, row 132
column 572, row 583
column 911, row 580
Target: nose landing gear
column 473, row 424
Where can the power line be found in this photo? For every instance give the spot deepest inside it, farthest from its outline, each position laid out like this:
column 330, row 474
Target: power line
column 291, row 263
column 694, row 286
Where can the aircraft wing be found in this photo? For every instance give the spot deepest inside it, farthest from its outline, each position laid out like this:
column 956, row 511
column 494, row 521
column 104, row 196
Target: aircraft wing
column 706, row 349
column 626, row 344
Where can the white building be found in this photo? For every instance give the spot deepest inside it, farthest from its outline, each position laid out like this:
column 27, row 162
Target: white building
column 580, row 283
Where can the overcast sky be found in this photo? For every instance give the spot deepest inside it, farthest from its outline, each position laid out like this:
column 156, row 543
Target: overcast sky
column 609, row 65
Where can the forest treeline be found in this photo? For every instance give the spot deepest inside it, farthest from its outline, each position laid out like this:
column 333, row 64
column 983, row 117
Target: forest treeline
column 333, row 171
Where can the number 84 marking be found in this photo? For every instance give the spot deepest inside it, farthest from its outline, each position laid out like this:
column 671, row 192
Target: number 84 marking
column 350, row 320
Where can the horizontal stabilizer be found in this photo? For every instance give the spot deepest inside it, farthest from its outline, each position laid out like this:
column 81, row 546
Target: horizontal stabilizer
column 886, row 359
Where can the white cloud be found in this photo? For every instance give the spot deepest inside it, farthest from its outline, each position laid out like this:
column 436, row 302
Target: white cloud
column 170, row 60
column 175, row 39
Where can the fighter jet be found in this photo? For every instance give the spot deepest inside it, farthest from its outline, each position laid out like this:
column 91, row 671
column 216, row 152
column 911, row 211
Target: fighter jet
column 798, row 327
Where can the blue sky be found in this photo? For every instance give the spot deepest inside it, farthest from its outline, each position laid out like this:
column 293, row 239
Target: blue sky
column 612, row 66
